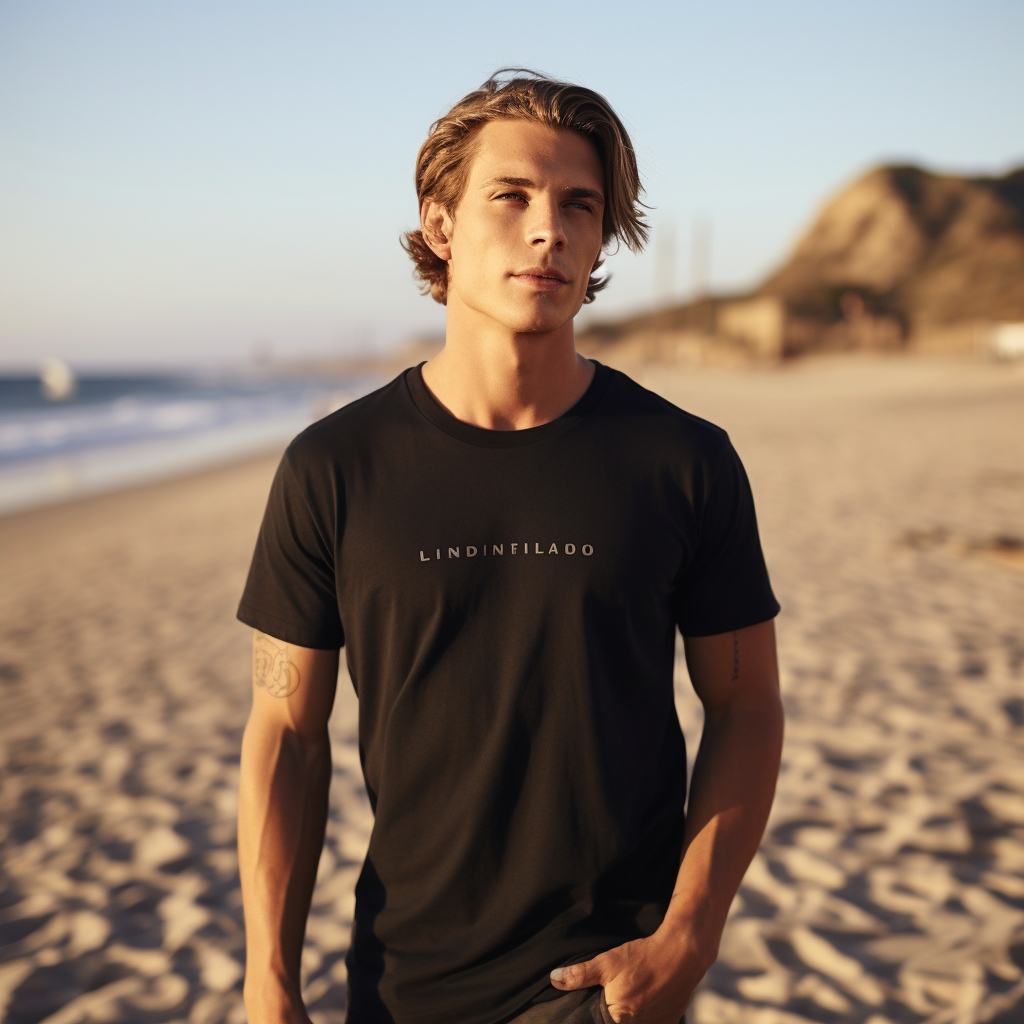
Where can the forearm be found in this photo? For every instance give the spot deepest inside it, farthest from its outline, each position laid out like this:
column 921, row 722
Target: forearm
column 281, row 822
column 730, row 798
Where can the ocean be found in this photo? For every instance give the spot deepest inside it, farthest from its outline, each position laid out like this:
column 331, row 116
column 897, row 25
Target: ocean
column 115, row 430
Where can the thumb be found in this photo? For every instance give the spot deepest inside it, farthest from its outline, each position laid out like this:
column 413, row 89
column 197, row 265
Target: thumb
column 584, row 975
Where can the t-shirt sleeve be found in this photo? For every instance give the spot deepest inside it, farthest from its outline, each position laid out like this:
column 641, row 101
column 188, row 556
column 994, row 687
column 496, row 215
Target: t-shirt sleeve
column 724, row 586
column 291, row 591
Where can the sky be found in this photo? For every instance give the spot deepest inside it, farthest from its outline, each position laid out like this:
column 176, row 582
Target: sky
column 193, row 182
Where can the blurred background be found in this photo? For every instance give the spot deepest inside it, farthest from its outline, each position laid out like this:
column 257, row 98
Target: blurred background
column 215, row 183
column 213, row 194
column 200, row 214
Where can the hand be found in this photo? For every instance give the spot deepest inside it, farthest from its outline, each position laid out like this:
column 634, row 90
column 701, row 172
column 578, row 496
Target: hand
column 647, row 981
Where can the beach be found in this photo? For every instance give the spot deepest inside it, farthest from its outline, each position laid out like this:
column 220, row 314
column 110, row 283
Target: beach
column 890, row 885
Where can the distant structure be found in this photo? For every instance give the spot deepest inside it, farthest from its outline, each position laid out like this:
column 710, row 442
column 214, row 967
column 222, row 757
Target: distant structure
column 901, row 259
column 665, row 264
column 700, row 259
column 1007, row 340
column 56, row 381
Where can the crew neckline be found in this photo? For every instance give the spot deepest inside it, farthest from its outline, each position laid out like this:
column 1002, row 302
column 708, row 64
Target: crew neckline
column 429, row 406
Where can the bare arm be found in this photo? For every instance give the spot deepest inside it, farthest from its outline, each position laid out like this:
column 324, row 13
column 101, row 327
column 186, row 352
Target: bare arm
column 650, row 981
column 282, row 814
column 736, row 678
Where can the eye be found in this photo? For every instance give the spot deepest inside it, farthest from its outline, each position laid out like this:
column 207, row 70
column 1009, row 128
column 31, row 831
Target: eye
column 580, row 205
column 512, row 195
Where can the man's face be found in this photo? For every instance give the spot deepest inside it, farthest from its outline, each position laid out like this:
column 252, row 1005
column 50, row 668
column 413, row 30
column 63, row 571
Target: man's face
column 527, row 230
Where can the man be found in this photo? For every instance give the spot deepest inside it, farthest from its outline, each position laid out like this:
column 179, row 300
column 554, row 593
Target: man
column 505, row 540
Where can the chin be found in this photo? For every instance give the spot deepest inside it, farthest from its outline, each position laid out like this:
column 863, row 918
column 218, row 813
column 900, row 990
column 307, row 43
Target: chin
column 538, row 321
column 544, row 325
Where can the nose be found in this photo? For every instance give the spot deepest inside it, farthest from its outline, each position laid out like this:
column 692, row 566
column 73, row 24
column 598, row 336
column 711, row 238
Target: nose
column 546, row 230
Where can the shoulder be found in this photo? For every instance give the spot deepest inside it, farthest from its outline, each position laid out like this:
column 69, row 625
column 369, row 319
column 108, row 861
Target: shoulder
column 665, row 425
column 349, row 428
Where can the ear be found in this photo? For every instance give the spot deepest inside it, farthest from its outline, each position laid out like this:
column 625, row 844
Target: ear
column 437, row 229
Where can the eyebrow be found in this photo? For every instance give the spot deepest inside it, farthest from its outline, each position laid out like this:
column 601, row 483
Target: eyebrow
column 573, row 192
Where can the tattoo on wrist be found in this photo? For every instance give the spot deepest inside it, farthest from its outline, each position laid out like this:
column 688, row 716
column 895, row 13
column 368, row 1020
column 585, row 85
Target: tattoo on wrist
column 271, row 668
column 735, row 656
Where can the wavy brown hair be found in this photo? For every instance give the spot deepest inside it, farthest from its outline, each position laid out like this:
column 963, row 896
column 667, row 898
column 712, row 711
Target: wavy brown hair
column 442, row 165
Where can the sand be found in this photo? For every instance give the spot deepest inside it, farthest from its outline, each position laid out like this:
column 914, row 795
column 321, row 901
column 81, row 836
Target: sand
column 890, row 886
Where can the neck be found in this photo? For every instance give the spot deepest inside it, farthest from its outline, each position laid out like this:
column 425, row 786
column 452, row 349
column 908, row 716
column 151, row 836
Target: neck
column 499, row 379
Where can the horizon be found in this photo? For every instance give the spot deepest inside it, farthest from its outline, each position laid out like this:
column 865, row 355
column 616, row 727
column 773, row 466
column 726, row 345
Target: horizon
column 195, row 187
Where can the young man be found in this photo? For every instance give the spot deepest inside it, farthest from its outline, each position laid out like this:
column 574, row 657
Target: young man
column 505, row 540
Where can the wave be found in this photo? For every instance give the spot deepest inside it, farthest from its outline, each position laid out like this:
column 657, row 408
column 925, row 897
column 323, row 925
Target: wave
column 122, row 430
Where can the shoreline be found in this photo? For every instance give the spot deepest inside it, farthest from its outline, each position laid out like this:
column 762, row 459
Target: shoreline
column 898, row 373
column 129, row 489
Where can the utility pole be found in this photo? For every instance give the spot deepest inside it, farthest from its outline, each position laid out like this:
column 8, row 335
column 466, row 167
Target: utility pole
column 700, row 259
column 665, row 264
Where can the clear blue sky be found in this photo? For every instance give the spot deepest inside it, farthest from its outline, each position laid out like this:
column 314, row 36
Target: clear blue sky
column 181, row 180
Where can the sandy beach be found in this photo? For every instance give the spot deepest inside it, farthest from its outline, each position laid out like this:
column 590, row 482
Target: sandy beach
column 890, row 886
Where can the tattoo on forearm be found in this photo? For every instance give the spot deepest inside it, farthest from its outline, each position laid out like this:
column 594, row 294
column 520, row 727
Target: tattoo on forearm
column 271, row 668
column 735, row 656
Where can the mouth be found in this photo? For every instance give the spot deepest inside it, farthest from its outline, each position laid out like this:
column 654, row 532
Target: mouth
column 546, row 278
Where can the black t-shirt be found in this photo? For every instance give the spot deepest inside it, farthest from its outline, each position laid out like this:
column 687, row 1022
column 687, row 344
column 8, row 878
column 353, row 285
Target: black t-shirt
column 508, row 601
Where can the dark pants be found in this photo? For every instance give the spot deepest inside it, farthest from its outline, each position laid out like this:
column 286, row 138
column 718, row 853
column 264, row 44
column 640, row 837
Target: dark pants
column 583, row 1006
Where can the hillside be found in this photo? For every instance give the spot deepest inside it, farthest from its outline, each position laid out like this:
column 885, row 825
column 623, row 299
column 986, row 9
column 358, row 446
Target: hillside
column 928, row 250
column 900, row 258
